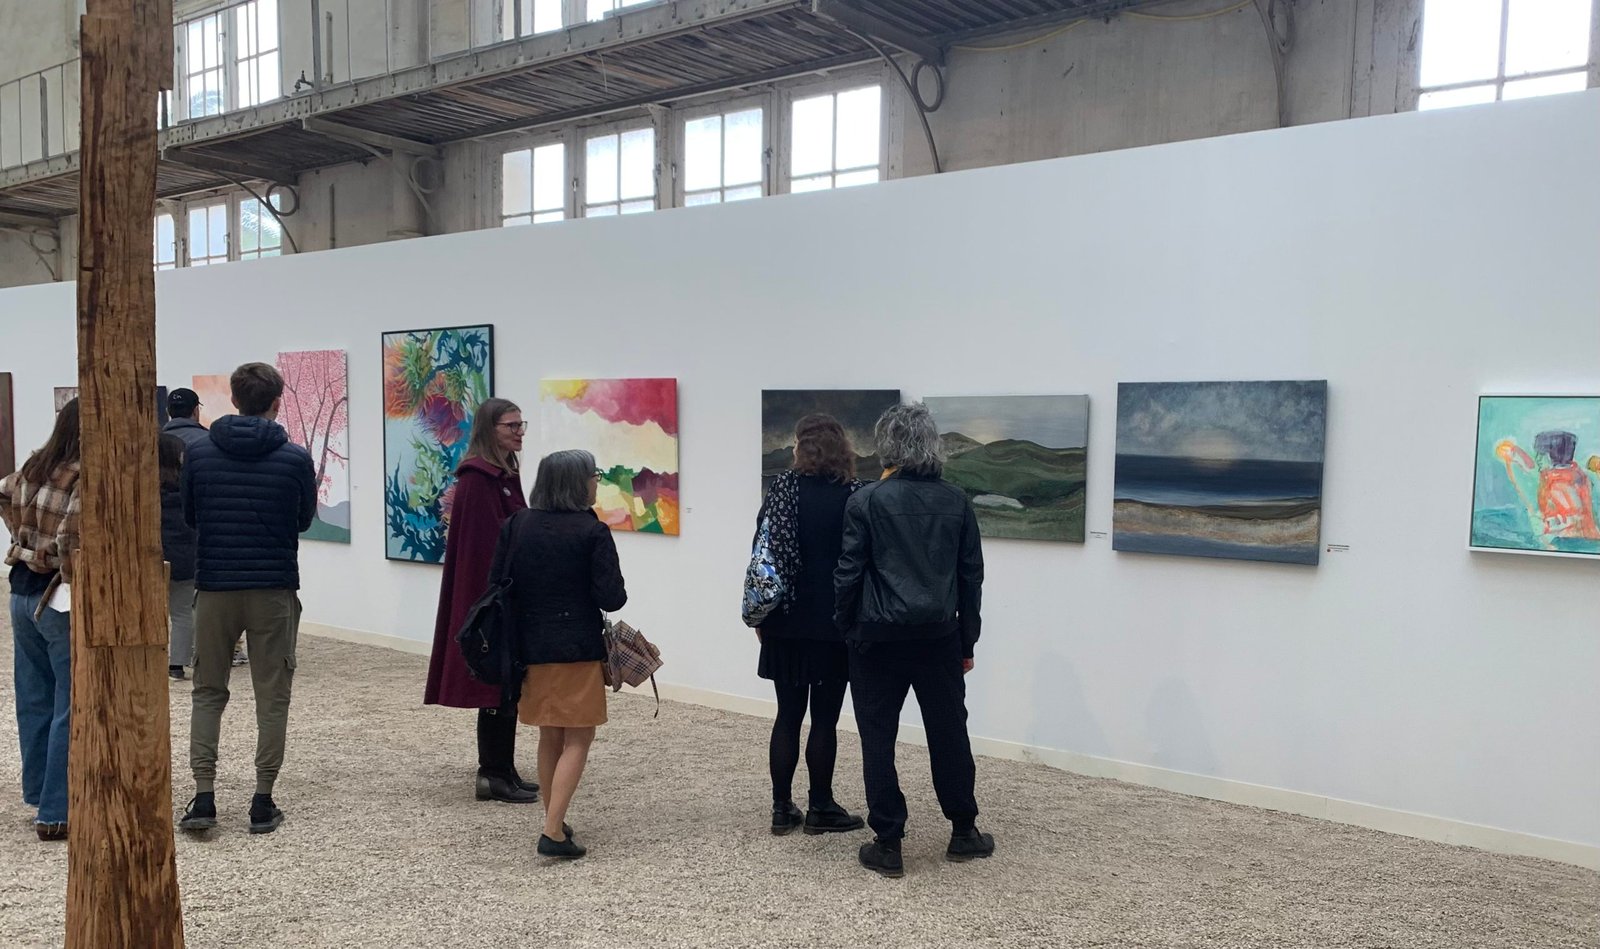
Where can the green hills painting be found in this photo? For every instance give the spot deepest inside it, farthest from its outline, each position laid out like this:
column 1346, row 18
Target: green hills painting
column 1021, row 460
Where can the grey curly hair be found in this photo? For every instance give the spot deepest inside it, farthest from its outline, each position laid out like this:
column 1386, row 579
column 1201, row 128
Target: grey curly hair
column 908, row 440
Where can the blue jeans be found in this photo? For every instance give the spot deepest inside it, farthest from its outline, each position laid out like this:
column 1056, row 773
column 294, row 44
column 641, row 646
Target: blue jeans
column 44, row 704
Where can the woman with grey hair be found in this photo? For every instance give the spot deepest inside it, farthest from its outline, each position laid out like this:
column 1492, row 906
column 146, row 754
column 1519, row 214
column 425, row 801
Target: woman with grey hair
column 907, row 593
column 563, row 568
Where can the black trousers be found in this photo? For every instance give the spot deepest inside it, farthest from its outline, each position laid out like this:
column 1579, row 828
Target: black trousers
column 497, row 739
column 880, row 676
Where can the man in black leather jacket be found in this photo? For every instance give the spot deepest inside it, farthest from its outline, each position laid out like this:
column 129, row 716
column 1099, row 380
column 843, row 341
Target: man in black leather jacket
column 907, row 596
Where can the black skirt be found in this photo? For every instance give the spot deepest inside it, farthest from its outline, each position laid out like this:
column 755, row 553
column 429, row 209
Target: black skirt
column 803, row 661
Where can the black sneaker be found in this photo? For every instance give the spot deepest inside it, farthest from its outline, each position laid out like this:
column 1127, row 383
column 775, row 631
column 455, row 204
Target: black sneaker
column 972, row 845
column 883, row 857
column 264, row 815
column 568, row 849
column 785, row 818
column 830, row 818
column 175, row 672
column 201, row 814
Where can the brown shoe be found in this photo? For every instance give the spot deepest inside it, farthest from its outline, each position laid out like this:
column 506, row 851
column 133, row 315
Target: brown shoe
column 51, row 833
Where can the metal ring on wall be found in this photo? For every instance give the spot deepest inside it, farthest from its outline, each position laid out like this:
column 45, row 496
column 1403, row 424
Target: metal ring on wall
column 916, row 85
column 287, row 209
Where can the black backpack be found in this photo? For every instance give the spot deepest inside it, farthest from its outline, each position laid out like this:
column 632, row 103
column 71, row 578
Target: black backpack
column 487, row 637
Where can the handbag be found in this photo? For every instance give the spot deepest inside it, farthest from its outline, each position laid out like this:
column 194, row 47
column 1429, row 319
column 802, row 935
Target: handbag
column 764, row 587
column 630, row 659
column 485, row 637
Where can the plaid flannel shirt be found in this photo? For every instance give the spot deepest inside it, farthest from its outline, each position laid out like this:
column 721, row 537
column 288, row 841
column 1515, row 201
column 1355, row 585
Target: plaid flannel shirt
column 43, row 521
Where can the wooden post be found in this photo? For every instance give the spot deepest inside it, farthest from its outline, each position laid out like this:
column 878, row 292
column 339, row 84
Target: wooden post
column 122, row 883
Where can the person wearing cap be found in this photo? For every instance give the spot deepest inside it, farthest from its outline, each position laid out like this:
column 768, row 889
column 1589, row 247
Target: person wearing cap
column 181, row 406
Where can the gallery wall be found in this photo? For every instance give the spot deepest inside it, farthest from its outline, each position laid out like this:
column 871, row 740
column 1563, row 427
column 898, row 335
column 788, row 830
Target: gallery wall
column 1412, row 261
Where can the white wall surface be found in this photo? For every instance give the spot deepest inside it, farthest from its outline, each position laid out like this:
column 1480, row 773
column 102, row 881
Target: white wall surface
column 1414, row 261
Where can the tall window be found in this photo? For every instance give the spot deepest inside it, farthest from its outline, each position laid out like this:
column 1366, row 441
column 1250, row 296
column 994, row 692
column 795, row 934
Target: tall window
column 166, row 237
column 260, row 234
column 203, row 87
column 723, row 157
column 256, row 52
column 1488, row 50
column 208, row 234
column 519, row 18
column 599, row 8
column 533, row 185
column 620, row 173
column 835, row 140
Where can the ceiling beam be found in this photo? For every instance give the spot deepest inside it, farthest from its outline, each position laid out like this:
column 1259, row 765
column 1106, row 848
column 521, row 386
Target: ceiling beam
column 26, row 219
column 860, row 21
column 349, row 134
column 228, row 166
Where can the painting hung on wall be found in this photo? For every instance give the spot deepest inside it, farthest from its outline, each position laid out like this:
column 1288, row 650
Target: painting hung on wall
column 1229, row 470
column 1020, row 459
column 1536, row 484
column 856, row 409
column 8, row 427
column 631, row 427
column 216, row 398
column 433, row 382
column 316, row 414
column 65, row 394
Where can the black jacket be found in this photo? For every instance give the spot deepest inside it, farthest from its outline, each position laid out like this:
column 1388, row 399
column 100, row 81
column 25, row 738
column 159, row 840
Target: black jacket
column 564, row 572
column 177, row 538
column 821, row 536
column 249, row 494
column 187, row 429
column 912, row 566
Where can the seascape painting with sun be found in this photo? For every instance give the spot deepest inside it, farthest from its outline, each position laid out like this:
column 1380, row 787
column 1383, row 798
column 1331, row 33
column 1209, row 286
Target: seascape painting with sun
column 433, row 382
column 1220, row 469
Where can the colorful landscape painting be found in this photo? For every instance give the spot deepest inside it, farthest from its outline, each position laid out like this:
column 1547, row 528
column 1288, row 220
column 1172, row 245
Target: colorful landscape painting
column 65, row 394
column 631, row 427
column 216, row 398
column 316, row 414
column 433, row 382
column 1020, row 459
column 856, row 409
column 1220, row 469
column 1536, row 485
column 8, row 427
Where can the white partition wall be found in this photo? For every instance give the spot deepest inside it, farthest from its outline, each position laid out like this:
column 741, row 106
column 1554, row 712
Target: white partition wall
column 1412, row 261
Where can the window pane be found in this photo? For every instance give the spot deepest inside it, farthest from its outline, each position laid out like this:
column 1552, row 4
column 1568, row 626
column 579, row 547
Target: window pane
column 549, row 217
column 516, row 180
column 267, row 25
column 197, row 233
column 822, row 183
column 600, row 170
column 704, row 197
column 813, row 136
column 870, row 176
column 1460, row 41
column 859, row 126
column 549, row 178
column 599, row 8
column 514, row 221
column 639, row 163
column 1473, row 95
column 702, row 153
column 270, row 86
column 194, row 55
column 241, row 29
column 217, row 225
column 638, row 207
column 546, row 16
column 743, row 194
column 166, row 250
column 211, row 27
column 745, row 148
column 249, row 225
column 271, row 234
column 601, row 210
column 1547, row 86
column 1546, row 34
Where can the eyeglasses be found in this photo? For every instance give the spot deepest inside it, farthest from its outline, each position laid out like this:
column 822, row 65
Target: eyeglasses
column 518, row 427
column 598, row 473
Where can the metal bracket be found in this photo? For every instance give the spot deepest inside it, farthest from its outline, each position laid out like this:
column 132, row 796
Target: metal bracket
column 340, row 132
column 860, row 21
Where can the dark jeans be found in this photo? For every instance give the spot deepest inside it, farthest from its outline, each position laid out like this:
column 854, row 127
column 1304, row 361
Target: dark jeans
column 43, row 663
column 497, row 740
column 880, row 676
column 822, row 747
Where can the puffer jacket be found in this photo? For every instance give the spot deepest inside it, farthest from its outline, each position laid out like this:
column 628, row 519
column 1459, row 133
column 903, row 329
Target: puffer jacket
column 912, row 566
column 249, row 493
column 564, row 572
column 187, row 429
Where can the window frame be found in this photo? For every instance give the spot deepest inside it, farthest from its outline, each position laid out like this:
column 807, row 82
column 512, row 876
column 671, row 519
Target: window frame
column 568, row 138
column 677, row 168
column 234, row 60
column 580, row 169
column 1416, row 90
column 889, row 115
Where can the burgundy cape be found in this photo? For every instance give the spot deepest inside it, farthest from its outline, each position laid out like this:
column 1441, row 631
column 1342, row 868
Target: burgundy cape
column 484, row 497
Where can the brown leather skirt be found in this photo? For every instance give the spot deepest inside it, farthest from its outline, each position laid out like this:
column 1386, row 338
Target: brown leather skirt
column 563, row 695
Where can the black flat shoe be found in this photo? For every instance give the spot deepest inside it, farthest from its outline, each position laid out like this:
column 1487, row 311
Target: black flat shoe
column 831, row 819
column 970, row 846
column 495, row 787
column 51, row 832
column 883, row 857
column 201, row 814
column 175, row 672
column 785, row 818
column 568, row 849
column 525, row 785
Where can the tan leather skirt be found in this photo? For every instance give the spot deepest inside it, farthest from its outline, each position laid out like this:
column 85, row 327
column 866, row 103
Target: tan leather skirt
column 563, row 695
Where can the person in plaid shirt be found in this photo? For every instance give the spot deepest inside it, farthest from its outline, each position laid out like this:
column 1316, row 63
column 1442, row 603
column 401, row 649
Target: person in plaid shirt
column 39, row 504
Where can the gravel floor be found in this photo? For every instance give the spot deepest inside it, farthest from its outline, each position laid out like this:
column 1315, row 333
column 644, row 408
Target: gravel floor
column 385, row 847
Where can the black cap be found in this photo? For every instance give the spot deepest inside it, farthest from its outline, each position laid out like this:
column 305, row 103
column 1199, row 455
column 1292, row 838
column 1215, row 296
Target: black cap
column 182, row 399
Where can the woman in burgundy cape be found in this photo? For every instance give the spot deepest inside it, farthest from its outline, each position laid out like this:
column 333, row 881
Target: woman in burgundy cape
column 488, row 490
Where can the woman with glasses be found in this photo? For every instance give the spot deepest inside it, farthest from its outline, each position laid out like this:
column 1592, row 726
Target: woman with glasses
column 488, row 490
column 564, row 572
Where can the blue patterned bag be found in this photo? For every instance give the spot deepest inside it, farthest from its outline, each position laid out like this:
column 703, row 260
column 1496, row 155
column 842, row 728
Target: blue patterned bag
column 764, row 586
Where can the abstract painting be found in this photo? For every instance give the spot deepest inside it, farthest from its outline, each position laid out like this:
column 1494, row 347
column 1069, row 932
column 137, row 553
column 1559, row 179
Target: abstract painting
column 1536, row 484
column 1220, row 469
column 8, row 427
column 316, row 414
column 65, row 394
column 1020, row 459
column 631, row 427
column 216, row 398
column 856, row 409
column 433, row 382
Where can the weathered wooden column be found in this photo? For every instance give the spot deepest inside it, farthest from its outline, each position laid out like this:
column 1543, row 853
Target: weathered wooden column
column 122, row 882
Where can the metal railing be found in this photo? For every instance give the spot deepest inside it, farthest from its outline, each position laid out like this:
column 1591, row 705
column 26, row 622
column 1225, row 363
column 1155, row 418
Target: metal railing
column 39, row 114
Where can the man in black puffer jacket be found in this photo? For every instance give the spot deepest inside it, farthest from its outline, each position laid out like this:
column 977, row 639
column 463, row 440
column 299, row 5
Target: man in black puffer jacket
column 907, row 595
column 249, row 493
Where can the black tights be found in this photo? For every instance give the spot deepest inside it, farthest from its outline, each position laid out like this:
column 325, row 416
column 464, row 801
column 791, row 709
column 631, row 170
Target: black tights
column 497, row 739
column 821, row 747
